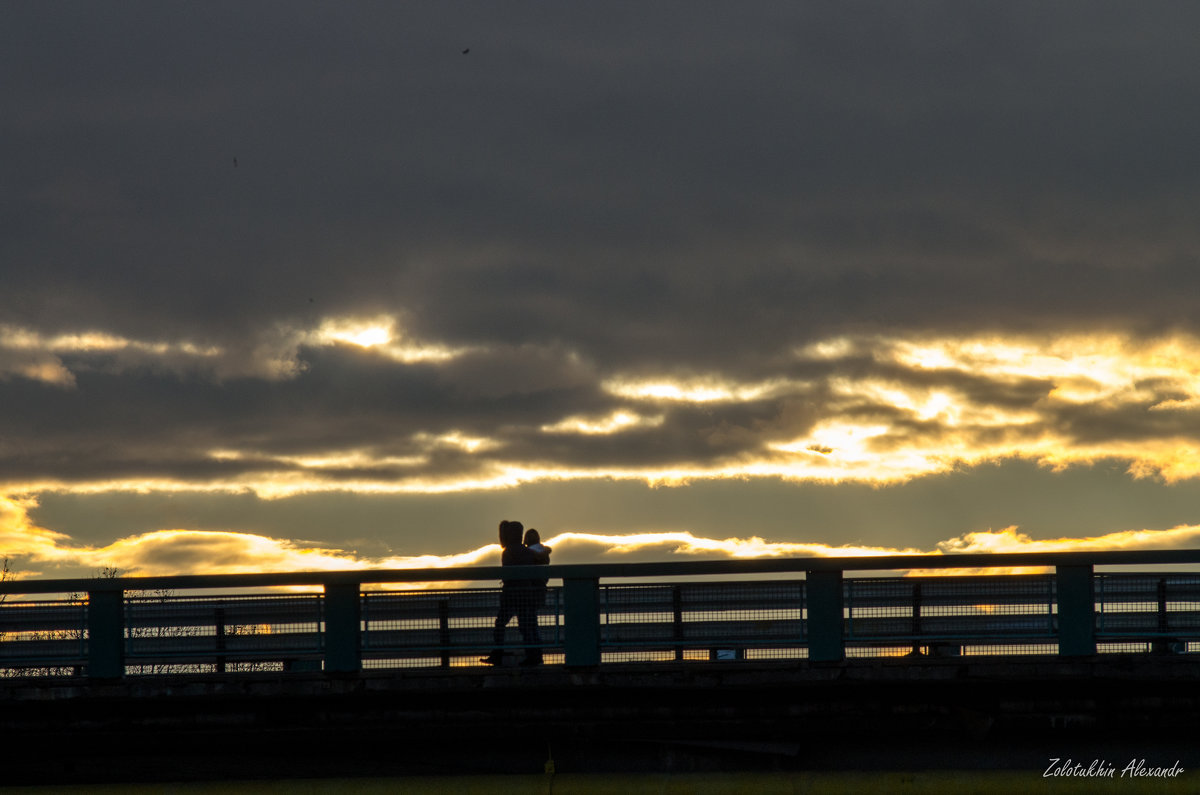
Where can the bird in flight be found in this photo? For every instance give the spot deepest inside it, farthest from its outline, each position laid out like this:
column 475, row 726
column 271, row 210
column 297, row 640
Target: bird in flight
column 466, row 51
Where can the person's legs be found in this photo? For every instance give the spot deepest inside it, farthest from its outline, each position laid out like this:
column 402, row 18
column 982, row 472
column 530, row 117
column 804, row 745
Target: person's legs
column 527, row 620
column 508, row 609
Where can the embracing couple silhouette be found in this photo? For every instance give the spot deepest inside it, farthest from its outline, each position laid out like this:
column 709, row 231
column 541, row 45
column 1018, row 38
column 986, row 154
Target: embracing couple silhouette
column 520, row 599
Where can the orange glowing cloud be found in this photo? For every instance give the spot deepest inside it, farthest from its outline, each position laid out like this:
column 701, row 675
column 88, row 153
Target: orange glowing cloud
column 849, row 409
column 685, row 543
column 1011, row 540
column 36, row 551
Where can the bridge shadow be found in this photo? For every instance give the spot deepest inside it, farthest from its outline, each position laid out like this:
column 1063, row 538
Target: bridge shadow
column 987, row 714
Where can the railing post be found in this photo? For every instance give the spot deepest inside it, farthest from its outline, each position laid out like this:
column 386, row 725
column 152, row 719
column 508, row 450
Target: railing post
column 444, row 630
column 106, row 633
column 219, row 623
column 677, row 620
column 343, row 617
column 1162, row 644
column 1076, row 610
column 916, row 618
column 581, row 614
column 823, row 591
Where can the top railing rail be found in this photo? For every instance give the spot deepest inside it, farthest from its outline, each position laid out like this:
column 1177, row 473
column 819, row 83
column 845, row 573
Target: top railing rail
column 983, row 561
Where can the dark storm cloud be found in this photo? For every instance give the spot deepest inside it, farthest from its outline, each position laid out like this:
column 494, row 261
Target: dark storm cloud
column 589, row 196
column 690, row 177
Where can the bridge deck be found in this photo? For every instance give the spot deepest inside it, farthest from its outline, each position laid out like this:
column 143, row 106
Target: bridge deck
column 963, row 713
column 777, row 663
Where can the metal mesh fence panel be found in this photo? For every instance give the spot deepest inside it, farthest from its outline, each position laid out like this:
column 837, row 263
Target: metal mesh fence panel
column 709, row 620
column 1133, row 647
column 169, row 634
column 450, row 628
column 940, row 616
column 877, row 650
column 43, row 638
column 797, row 653
column 1160, row 610
column 1010, row 649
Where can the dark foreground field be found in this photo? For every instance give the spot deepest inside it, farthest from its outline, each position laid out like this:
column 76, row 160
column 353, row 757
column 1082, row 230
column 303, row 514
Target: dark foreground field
column 935, row 726
column 893, row 783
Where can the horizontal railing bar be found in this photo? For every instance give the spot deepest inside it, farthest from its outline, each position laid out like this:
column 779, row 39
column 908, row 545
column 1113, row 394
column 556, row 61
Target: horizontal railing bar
column 1182, row 619
column 391, row 644
column 659, row 645
column 174, row 647
column 64, row 648
column 1128, row 637
column 705, row 606
column 705, row 632
column 1011, row 639
column 992, row 599
column 977, row 634
column 611, row 570
column 35, row 621
column 165, row 616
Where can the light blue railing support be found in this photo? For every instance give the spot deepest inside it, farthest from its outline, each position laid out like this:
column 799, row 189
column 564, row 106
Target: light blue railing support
column 343, row 619
column 823, row 594
column 581, row 614
column 1076, row 610
column 106, row 633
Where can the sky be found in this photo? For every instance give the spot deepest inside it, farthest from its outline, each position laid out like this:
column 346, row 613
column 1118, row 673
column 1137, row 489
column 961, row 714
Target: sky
column 311, row 285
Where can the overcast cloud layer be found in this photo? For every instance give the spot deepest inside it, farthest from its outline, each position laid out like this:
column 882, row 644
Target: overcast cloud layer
column 296, row 248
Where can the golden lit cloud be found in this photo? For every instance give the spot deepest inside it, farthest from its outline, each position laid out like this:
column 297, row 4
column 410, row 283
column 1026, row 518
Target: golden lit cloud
column 272, row 354
column 383, row 335
column 1082, row 367
column 36, row 551
column 869, row 409
column 685, row 543
column 615, row 422
column 712, row 389
column 935, row 411
column 21, row 538
column 454, row 439
column 365, row 333
column 45, row 368
column 38, row 357
column 1010, row 539
column 16, row 338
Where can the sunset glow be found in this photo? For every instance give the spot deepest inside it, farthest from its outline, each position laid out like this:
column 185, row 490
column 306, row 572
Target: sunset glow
column 366, row 336
column 958, row 403
column 616, row 422
column 711, row 390
column 883, row 307
column 166, row 552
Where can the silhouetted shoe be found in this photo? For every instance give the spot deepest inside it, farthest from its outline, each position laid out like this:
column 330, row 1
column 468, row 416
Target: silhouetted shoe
column 492, row 659
column 532, row 659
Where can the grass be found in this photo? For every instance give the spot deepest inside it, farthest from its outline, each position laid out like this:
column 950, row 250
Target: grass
column 810, row 783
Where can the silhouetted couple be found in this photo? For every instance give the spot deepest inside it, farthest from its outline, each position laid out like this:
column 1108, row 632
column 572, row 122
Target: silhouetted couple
column 520, row 598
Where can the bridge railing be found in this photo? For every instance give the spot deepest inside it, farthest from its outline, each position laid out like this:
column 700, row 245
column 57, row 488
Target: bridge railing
column 594, row 614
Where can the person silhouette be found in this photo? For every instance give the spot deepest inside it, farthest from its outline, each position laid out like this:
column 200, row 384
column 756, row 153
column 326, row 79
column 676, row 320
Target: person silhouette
column 533, row 540
column 541, row 553
column 517, row 599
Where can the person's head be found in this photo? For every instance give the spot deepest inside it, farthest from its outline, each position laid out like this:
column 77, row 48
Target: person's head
column 510, row 534
column 532, row 537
